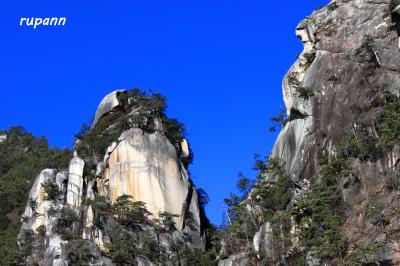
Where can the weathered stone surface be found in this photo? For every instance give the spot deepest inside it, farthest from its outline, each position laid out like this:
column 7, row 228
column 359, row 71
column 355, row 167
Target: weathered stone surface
column 108, row 104
column 145, row 166
column 293, row 146
column 193, row 228
column 39, row 216
column 351, row 54
column 185, row 149
column 36, row 216
column 262, row 241
column 75, row 182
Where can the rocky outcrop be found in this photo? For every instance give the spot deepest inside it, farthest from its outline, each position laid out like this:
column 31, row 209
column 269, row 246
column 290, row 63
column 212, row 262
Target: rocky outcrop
column 63, row 215
column 262, row 241
column 75, row 182
column 350, row 59
column 109, row 103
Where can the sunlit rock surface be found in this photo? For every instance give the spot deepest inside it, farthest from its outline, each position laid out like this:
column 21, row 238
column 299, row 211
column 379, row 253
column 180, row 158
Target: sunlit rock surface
column 35, row 216
column 108, row 104
column 351, row 55
column 143, row 165
column 75, row 182
column 146, row 167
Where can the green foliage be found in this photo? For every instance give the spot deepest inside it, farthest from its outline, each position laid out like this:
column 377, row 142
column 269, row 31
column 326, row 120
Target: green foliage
column 94, row 142
column 122, row 247
column 52, row 191
column 190, row 221
column 30, row 243
column 128, row 212
column 151, row 102
column 102, row 208
column 267, row 202
column 79, row 252
column 297, row 258
column 366, row 148
column 365, row 255
column 22, row 157
column 151, row 249
column 389, row 124
column 188, row 257
column 167, row 220
column 148, row 108
column 372, row 138
column 309, row 59
column 203, row 197
column 373, row 209
column 293, row 79
column 273, row 197
column 173, row 130
column 9, row 254
column 332, row 6
column 320, row 214
column 365, row 54
column 65, row 222
column 304, row 92
column 52, row 211
column 26, row 240
column 244, row 185
column 279, row 120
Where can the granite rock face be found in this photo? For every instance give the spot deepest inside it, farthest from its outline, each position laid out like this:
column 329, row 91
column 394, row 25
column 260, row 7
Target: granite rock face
column 109, row 103
column 61, row 214
column 351, row 56
column 341, row 74
column 145, row 167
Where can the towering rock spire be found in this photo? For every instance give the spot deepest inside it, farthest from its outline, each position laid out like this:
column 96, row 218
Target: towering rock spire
column 125, row 153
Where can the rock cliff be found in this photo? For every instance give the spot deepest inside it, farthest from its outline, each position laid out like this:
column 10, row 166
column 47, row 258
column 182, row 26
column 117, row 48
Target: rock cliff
column 329, row 193
column 126, row 197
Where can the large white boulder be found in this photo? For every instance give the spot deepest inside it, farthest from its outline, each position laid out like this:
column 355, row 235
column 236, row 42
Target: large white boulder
column 146, row 167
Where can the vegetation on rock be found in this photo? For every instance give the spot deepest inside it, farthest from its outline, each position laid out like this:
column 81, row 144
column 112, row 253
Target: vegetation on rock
column 137, row 109
column 22, row 157
column 129, row 212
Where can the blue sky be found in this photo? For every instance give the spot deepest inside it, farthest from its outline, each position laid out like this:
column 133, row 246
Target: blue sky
column 220, row 64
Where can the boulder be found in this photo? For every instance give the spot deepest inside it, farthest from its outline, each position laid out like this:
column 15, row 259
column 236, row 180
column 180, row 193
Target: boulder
column 107, row 105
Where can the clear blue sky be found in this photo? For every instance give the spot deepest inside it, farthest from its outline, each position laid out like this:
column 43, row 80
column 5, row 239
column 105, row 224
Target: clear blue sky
column 220, row 64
